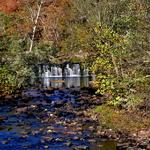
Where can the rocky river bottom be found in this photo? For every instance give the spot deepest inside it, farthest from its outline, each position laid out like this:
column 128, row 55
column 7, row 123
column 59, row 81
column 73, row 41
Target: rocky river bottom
column 56, row 119
column 48, row 119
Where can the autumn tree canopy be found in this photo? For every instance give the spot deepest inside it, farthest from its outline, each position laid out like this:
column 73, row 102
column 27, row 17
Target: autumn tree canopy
column 9, row 6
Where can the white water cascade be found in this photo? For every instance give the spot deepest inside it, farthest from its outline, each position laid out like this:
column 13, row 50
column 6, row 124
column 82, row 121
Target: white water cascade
column 68, row 70
column 64, row 75
column 53, row 71
column 73, row 71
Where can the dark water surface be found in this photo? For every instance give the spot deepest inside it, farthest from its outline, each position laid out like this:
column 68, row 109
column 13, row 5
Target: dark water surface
column 48, row 120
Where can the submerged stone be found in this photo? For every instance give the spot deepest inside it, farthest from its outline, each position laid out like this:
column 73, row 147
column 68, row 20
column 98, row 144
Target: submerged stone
column 81, row 147
column 68, row 144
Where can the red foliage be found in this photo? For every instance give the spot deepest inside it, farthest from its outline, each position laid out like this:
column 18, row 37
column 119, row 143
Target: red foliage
column 9, row 6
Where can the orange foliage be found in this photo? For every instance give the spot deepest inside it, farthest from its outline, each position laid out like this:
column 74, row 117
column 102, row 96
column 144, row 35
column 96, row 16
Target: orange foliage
column 9, row 6
column 52, row 12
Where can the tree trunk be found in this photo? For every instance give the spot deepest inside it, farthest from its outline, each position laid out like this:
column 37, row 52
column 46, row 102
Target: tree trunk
column 35, row 25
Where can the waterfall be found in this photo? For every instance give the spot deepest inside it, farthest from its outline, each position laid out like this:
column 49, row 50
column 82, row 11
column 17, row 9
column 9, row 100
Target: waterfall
column 47, row 74
column 46, row 82
column 85, row 72
column 59, row 71
column 54, row 71
column 46, row 71
column 64, row 75
column 76, row 69
column 73, row 71
column 68, row 70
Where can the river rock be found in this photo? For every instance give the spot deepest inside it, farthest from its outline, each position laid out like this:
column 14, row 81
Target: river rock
column 32, row 93
column 58, row 103
column 5, row 142
column 59, row 139
column 21, row 110
column 92, row 140
column 9, row 97
column 76, row 138
column 122, row 145
column 68, row 144
column 46, row 146
column 148, row 146
column 92, row 129
column 24, row 136
column 143, row 145
column 81, row 147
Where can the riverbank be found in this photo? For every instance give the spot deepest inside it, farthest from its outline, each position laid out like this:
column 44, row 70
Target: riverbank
column 130, row 128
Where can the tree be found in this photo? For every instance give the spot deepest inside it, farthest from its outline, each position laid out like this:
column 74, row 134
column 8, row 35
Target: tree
column 118, row 51
column 35, row 24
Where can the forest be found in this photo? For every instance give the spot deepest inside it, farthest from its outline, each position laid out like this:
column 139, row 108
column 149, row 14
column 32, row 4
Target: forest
column 110, row 38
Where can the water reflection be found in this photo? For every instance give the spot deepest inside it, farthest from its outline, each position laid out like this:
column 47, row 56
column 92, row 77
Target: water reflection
column 68, row 82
